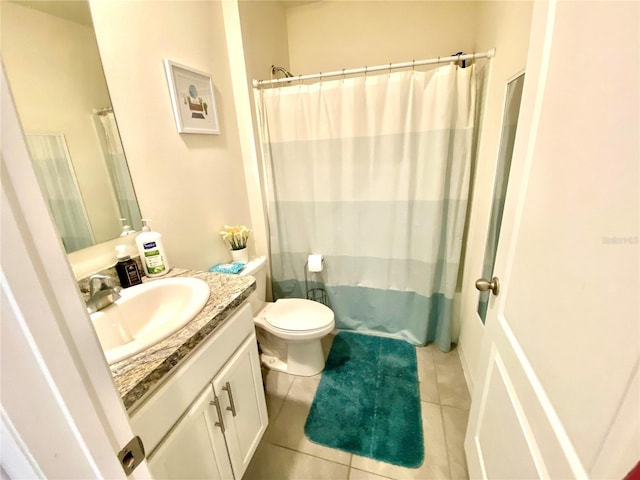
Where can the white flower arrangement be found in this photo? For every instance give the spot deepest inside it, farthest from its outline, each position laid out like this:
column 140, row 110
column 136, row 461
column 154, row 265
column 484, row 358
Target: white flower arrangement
column 235, row 236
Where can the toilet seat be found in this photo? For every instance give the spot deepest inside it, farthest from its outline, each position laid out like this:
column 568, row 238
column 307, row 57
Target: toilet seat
column 298, row 315
column 296, row 319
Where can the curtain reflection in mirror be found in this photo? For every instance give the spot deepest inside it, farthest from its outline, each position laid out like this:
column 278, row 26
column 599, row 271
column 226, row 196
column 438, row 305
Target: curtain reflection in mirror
column 53, row 65
column 117, row 167
column 57, row 179
column 505, row 152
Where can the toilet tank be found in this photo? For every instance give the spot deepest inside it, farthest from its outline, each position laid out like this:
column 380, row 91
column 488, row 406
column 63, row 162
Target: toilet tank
column 258, row 269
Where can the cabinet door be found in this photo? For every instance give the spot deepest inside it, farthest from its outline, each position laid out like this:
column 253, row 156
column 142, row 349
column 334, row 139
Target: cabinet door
column 241, row 394
column 195, row 448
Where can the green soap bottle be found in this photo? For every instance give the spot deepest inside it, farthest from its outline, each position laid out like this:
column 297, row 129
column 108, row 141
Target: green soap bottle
column 154, row 260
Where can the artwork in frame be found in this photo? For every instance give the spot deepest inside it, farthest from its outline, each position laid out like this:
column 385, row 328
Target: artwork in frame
column 194, row 105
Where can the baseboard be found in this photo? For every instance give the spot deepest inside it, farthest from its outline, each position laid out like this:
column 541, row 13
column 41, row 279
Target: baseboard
column 468, row 374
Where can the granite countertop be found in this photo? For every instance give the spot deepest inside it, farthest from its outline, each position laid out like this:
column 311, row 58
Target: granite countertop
column 136, row 377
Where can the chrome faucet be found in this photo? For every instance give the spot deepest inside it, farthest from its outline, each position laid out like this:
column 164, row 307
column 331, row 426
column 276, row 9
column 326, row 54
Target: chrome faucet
column 101, row 293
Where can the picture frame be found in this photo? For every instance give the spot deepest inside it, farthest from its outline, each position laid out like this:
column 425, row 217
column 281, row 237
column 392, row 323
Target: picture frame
column 192, row 99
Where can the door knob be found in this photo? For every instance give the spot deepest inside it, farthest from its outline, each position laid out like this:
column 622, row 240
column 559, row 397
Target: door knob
column 483, row 285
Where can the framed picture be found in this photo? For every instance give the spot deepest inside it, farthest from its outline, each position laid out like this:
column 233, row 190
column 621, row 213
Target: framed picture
column 194, row 105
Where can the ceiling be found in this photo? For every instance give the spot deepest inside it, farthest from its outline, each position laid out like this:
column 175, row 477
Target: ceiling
column 297, row 3
column 78, row 11
column 73, row 10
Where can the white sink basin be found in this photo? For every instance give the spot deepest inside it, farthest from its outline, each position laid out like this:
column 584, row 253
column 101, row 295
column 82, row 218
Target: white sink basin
column 148, row 313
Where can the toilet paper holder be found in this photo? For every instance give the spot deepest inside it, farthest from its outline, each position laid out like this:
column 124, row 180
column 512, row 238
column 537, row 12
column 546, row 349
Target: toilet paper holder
column 317, row 294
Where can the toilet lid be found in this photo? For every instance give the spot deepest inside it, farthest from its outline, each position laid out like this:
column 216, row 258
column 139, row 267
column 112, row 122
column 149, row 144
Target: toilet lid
column 298, row 314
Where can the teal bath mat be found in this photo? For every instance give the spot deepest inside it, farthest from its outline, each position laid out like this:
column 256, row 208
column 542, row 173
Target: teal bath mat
column 368, row 400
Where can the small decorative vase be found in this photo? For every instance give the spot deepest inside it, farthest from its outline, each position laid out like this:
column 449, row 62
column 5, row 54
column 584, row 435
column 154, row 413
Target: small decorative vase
column 240, row 256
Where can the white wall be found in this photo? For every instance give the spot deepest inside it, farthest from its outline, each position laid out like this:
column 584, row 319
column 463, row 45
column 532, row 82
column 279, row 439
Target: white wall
column 56, row 78
column 504, row 25
column 265, row 36
column 190, row 185
column 264, row 43
column 332, row 35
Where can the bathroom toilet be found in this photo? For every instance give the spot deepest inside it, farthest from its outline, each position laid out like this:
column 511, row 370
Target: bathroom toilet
column 289, row 330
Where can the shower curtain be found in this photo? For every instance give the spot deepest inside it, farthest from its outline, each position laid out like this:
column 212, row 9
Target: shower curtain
column 373, row 173
column 119, row 170
column 57, row 179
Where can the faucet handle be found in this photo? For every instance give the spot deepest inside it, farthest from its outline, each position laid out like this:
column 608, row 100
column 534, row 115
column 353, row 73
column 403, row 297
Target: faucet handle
column 98, row 276
column 99, row 282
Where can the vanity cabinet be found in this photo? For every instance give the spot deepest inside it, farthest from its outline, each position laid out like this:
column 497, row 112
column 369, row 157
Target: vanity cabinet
column 240, row 396
column 213, row 430
column 195, row 448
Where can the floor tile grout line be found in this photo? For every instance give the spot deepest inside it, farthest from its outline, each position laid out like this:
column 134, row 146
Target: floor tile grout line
column 462, row 409
column 444, row 431
column 446, row 444
column 284, row 399
column 311, row 454
column 444, row 428
column 435, row 373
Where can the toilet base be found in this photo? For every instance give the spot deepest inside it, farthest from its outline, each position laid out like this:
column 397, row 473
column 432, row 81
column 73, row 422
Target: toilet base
column 304, row 359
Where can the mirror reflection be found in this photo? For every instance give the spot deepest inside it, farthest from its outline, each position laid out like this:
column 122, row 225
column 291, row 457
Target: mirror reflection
column 505, row 152
column 51, row 58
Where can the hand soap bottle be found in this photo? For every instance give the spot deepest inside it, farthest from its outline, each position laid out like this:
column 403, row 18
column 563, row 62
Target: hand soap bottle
column 154, row 260
column 127, row 268
column 126, row 229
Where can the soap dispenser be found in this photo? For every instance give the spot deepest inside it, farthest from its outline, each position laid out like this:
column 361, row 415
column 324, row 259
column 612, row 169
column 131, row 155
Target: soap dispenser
column 127, row 268
column 154, row 260
column 126, row 229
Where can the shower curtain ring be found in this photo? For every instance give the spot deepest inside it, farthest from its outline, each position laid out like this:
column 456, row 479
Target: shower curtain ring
column 389, row 68
column 413, row 64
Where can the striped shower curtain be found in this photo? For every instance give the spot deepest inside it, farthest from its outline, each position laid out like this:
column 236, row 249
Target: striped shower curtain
column 57, row 178
column 119, row 170
column 373, row 173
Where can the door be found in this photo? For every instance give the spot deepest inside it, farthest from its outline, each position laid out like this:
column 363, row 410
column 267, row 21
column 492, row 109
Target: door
column 239, row 389
column 54, row 374
column 557, row 388
column 195, row 448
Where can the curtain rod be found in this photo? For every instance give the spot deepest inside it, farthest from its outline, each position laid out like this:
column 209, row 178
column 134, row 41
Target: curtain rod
column 103, row 111
column 337, row 73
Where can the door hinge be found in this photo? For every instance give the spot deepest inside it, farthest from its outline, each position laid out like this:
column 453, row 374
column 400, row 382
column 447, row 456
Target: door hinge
column 131, row 455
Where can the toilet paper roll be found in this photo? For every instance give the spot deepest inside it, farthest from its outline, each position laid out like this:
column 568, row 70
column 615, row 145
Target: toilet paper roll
column 315, row 263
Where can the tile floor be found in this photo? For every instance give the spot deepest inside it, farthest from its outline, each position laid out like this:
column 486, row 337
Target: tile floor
column 285, row 452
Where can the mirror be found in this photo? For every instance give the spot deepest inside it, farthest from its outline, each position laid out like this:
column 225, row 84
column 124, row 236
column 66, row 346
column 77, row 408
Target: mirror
column 51, row 58
column 505, row 153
